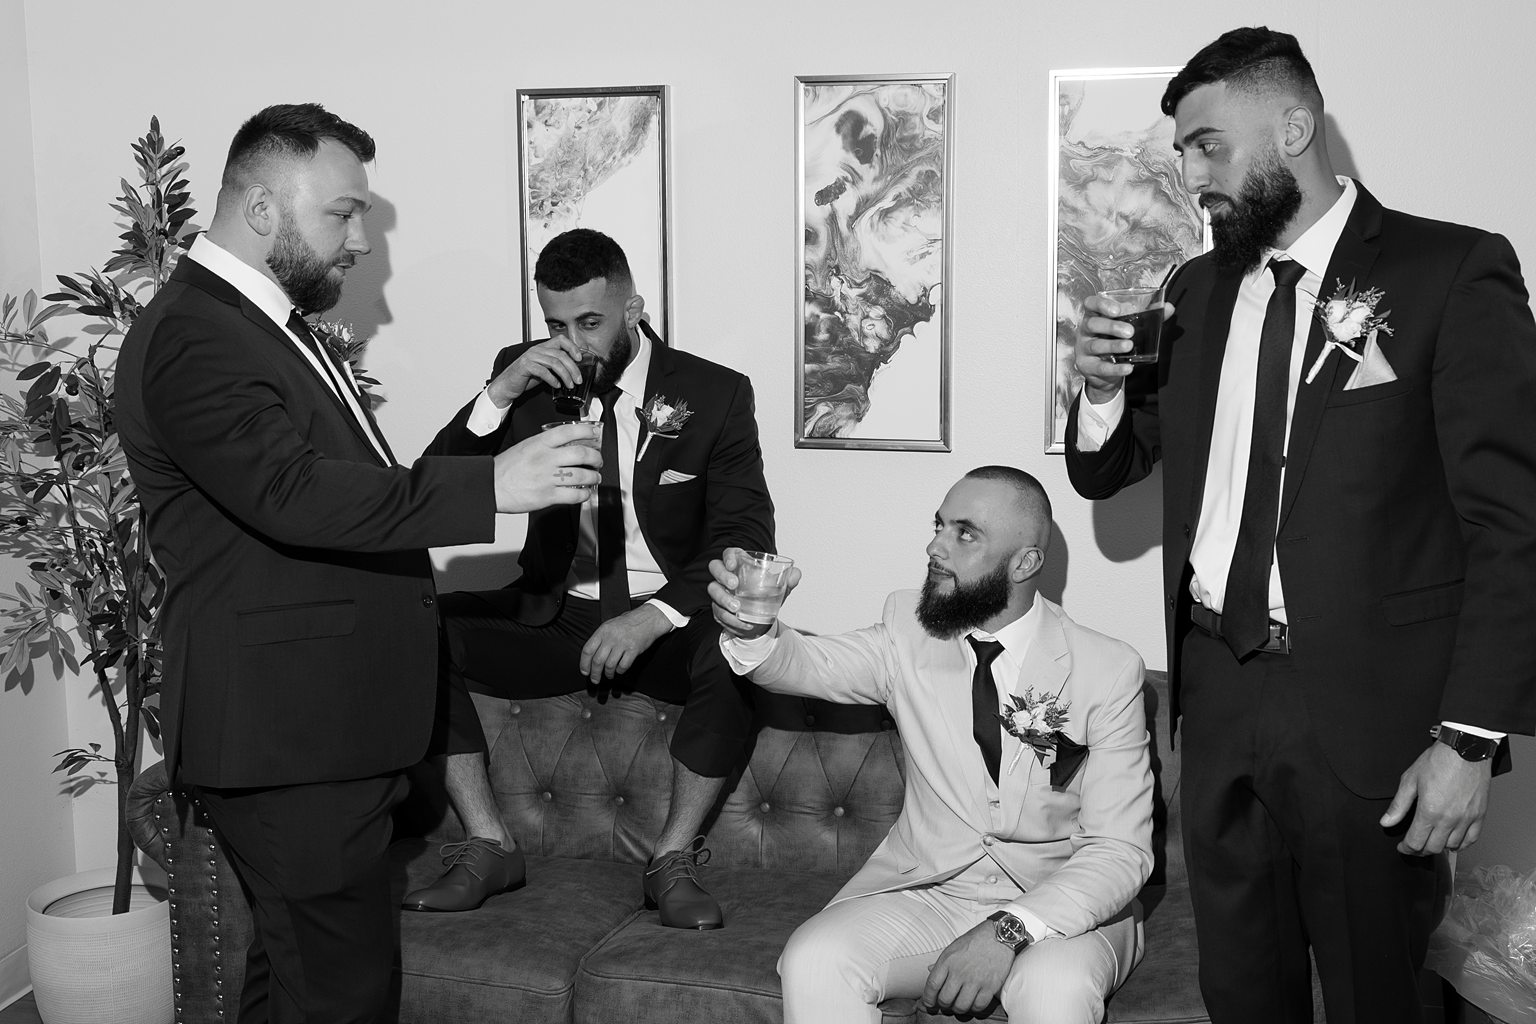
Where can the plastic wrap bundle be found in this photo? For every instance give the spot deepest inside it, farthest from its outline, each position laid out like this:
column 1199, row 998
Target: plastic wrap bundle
column 1486, row 946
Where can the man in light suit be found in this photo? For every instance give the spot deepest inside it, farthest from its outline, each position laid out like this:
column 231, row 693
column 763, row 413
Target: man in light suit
column 299, row 621
column 620, row 610
column 1342, row 406
column 1013, row 868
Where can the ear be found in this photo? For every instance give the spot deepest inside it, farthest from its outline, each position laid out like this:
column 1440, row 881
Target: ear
column 633, row 309
column 1027, row 563
column 259, row 208
column 1298, row 132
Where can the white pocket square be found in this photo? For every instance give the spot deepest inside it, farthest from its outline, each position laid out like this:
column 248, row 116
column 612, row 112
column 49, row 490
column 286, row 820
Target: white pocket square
column 672, row 476
column 1373, row 368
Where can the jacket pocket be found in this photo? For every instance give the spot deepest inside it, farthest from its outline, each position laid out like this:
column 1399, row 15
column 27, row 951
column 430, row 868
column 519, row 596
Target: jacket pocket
column 1422, row 605
column 289, row 622
column 1374, row 393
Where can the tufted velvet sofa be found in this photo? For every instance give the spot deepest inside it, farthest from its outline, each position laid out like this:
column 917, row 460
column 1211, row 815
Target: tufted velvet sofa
column 582, row 786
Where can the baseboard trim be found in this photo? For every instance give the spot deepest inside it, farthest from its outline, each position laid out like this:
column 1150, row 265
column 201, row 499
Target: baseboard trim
column 15, row 981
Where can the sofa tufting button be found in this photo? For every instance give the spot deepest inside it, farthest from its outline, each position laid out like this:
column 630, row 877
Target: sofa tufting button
column 618, row 800
column 546, row 796
column 661, row 716
column 515, row 709
column 987, row 840
column 763, row 807
column 586, row 713
column 838, row 812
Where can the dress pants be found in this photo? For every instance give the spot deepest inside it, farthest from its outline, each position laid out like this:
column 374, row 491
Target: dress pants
column 840, row 964
column 486, row 649
column 1282, row 855
column 313, row 862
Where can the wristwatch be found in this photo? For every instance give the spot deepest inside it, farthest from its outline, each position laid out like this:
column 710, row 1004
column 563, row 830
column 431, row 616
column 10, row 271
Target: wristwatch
column 1010, row 931
column 1470, row 746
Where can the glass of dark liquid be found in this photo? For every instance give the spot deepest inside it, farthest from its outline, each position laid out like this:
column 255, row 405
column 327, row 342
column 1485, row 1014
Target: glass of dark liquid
column 1142, row 308
column 573, row 401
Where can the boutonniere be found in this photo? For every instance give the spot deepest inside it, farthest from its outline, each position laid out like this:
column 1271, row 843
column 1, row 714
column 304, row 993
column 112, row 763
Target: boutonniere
column 663, row 418
column 347, row 348
column 1350, row 323
column 1037, row 722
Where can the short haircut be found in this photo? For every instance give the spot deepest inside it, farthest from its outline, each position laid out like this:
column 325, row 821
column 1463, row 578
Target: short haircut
column 288, row 130
column 1254, row 60
column 1030, row 492
column 572, row 258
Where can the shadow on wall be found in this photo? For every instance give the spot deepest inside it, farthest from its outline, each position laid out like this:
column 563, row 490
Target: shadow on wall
column 1338, row 149
column 1130, row 524
column 1053, row 576
column 363, row 304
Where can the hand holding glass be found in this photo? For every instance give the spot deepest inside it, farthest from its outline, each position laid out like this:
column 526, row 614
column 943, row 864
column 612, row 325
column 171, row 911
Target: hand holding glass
column 1142, row 308
column 573, row 401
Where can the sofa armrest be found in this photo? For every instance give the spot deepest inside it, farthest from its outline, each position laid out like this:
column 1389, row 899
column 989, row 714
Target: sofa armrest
column 210, row 922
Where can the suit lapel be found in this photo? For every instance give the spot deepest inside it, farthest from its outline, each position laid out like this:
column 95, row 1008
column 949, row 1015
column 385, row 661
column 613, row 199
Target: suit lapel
column 1213, row 350
column 1047, row 664
column 1353, row 257
column 647, row 470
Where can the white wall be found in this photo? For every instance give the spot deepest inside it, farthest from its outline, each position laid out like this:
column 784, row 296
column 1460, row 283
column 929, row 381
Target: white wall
column 36, row 829
column 1427, row 109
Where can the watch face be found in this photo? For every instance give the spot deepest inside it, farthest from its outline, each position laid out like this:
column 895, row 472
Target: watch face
column 1011, row 931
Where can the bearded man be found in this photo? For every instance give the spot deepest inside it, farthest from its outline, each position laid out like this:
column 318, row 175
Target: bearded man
column 1011, row 873
column 300, row 634
column 1342, row 405
column 611, row 597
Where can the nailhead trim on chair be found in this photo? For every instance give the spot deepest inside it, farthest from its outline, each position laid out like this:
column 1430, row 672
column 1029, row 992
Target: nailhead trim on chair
column 170, row 876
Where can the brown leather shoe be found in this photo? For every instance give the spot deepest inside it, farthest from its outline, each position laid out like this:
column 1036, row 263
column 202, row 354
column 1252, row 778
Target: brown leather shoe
column 672, row 883
column 477, row 870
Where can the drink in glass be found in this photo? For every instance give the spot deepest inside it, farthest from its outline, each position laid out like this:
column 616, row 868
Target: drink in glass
column 760, row 586
column 573, row 401
column 1142, row 308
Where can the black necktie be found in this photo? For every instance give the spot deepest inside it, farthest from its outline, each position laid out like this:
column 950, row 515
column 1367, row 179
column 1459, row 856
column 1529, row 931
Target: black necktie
column 1245, row 607
column 984, row 721
column 612, row 572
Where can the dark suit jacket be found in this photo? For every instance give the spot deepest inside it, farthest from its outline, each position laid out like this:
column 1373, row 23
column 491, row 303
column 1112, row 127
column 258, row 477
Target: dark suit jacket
column 299, row 620
column 1407, row 530
column 726, row 503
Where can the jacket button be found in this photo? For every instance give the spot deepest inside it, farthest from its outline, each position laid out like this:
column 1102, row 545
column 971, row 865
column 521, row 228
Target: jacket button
column 427, row 601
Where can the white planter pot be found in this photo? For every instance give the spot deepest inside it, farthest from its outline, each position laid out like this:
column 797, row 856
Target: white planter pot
column 90, row 966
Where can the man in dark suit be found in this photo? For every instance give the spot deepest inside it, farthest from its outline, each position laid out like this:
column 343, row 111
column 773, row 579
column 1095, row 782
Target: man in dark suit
column 613, row 595
column 1342, row 405
column 299, row 621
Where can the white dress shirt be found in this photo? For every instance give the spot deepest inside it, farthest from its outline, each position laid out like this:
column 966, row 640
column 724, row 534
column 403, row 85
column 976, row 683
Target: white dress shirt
column 268, row 296
column 645, row 575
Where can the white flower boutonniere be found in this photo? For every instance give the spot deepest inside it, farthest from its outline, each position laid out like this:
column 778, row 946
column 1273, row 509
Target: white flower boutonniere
column 663, row 418
column 1037, row 722
column 1350, row 323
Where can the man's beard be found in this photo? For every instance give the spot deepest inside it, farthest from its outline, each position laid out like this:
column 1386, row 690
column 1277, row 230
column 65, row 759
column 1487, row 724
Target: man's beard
column 967, row 606
column 611, row 367
column 304, row 274
column 1266, row 203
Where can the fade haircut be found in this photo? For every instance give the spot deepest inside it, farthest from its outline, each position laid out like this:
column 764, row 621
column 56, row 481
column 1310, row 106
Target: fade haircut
column 288, row 130
column 1252, row 60
column 572, row 258
column 1032, row 497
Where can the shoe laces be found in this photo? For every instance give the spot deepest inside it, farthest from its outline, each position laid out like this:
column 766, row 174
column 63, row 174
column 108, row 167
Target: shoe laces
column 680, row 864
column 468, row 853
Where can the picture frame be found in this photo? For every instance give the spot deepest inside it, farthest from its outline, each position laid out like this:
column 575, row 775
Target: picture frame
column 874, row 159
column 597, row 158
column 1119, row 214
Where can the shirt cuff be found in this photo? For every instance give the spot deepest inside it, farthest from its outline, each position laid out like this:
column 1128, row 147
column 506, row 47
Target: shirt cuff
column 1486, row 734
column 678, row 621
column 745, row 655
column 486, row 417
column 1096, row 422
column 1037, row 928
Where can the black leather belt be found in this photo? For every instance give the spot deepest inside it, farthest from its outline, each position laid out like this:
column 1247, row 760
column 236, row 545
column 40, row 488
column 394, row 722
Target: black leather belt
column 1279, row 641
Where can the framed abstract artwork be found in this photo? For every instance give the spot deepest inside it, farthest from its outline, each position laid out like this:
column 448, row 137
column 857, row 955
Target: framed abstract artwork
column 873, row 155
column 596, row 158
column 1119, row 215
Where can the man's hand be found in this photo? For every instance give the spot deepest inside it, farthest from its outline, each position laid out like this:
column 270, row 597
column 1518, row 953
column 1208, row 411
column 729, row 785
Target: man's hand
column 548, row 470
column 552, row 361
column 618, row 642
column 723, row 597
column 1099, row 337
column 969, row 973
column 1448, row 797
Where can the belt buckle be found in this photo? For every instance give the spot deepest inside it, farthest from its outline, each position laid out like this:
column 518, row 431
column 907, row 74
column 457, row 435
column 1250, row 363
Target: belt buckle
column 1279, row 641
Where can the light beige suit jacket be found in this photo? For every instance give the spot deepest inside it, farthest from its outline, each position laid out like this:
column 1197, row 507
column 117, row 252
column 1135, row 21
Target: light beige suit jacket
column 1080, row 852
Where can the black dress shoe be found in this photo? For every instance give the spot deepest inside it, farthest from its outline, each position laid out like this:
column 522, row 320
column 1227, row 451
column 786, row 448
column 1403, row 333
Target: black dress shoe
column 477, row 870
column 671, row 884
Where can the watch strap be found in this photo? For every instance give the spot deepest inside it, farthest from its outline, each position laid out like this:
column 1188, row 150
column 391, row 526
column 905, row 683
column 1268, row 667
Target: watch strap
column 1470, row 746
